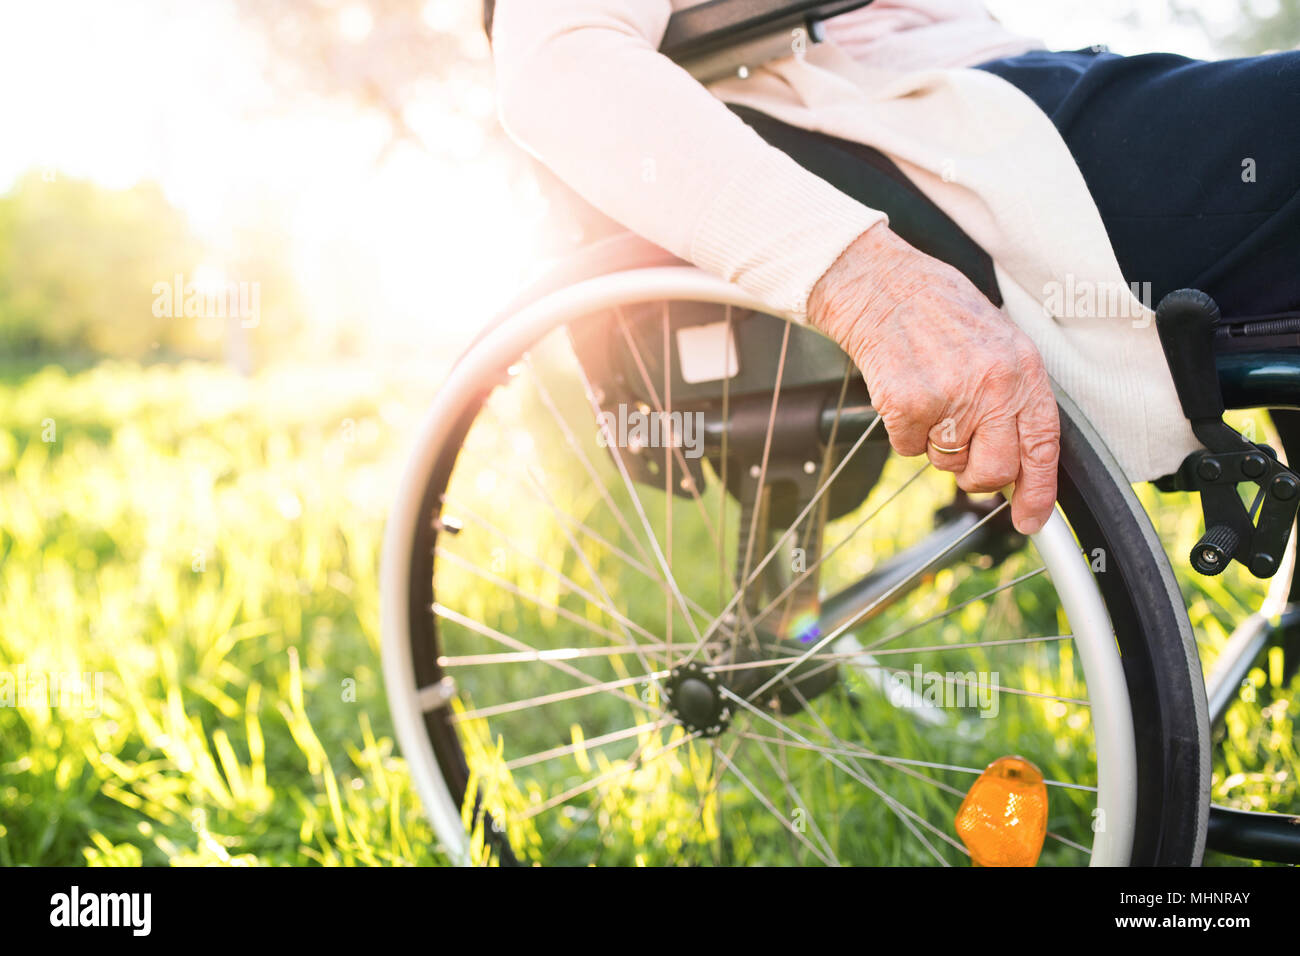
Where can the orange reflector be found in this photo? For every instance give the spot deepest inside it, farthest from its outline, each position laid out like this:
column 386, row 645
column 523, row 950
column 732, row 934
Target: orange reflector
column 1003, row 819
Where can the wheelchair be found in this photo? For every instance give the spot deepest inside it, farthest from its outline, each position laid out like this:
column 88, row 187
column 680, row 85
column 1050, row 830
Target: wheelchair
column 656, row 590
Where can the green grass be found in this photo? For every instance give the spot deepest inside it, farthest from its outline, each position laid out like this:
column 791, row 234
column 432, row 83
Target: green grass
column 211, row 544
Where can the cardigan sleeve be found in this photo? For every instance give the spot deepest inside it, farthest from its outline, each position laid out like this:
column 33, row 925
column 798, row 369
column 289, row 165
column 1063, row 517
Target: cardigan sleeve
column 581, row 85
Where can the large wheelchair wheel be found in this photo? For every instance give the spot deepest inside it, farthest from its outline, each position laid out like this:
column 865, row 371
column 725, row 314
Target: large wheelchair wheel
column 656, row 590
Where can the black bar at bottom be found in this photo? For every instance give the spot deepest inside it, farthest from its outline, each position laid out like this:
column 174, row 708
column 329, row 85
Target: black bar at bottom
column 1254, row 836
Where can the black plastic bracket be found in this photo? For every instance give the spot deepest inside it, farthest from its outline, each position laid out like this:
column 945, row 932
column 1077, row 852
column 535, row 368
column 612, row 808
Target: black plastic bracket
column 1257, row 537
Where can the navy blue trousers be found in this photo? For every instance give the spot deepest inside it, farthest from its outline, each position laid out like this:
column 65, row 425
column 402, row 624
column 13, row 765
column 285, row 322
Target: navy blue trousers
column 1194, row 165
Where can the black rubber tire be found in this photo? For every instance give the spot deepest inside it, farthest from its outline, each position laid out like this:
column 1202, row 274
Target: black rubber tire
column 1158, row 649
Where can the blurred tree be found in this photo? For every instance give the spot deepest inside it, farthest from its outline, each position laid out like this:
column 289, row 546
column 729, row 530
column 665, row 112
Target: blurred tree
column 77, row 263
column 81, row 269
column 392, row 57
column 423, row 65
column 1254, row 26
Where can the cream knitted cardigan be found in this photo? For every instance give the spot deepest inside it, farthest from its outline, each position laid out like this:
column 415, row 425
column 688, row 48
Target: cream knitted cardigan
column 581, row 85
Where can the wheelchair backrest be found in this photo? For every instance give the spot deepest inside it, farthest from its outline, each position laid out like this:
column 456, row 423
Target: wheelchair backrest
column 708, row 27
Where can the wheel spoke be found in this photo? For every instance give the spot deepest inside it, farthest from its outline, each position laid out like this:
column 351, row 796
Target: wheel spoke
column 749, row 577
column 576, row 523
column 899, row 810
column 758, row 503
column 591, row 572
column 666, row 407
column 984, row 685
column 723, row 564
column 793, row 793
column 601, row 741
column 563, row 578
column 839, row 656
column 576, row 447
column 674, row 448
column 834, row 738
column 849, row 624
column 849, row 750
column 1070, row 843
column 640, row 761
column 822, row 559
column 617, row 455
column 515, row 644
column 472, row 568
column 817, row 521
column 534, row 657
column 758, row 795
column 949, row 611
column 542, row 699
column 670, row 494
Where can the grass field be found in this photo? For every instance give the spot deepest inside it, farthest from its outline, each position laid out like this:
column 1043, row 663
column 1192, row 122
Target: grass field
column 210, row 545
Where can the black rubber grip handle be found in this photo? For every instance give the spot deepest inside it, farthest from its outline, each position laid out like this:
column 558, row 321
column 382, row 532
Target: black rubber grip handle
column 1217, row 547
column 1186, row 320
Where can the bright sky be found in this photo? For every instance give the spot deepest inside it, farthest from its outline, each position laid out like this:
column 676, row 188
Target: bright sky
column 1126, row 26
column 417, row 249
column 147, row 89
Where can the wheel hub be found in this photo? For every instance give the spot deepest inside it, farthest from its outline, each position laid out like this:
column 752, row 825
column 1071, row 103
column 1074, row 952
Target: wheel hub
column 694, row 697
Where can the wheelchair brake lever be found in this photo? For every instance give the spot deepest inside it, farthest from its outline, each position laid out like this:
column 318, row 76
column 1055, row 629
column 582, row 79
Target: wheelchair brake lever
column 1186, row 320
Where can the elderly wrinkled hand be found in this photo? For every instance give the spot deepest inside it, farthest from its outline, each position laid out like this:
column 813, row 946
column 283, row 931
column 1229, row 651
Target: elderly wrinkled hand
column 945, row 369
